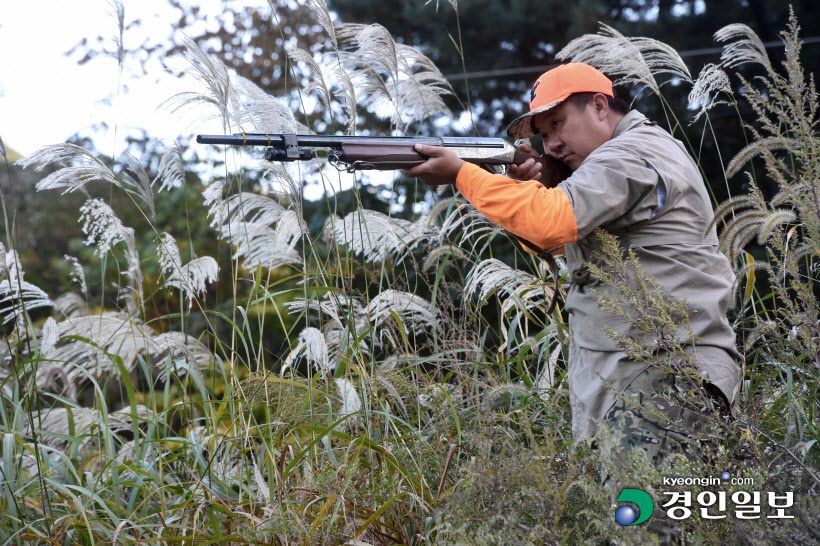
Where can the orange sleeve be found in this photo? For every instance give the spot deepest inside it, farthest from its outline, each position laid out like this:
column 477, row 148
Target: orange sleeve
column 540, row 215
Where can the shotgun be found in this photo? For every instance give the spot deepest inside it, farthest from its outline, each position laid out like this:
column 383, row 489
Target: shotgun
column 355, row 153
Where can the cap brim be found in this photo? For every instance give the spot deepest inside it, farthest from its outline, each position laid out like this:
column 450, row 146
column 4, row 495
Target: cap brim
column 521, row 127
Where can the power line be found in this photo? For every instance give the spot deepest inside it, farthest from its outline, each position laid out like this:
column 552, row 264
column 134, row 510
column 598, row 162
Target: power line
column 543, row 68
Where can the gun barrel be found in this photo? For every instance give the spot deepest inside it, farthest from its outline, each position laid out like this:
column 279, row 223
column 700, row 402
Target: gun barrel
column 365, row 152
column 337, row 141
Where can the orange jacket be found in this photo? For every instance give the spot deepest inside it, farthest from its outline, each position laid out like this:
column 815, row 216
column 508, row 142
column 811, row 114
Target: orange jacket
column 528, row 210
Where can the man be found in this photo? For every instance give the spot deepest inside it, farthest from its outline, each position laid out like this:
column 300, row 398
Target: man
column 631, row 178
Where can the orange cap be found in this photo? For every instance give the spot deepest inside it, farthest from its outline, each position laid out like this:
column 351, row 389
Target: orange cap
column 553, row 87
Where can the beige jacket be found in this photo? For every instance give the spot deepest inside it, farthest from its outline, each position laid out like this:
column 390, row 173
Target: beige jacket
column 645, row 188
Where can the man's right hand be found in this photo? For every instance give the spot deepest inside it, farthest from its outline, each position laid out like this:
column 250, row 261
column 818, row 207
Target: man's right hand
column 530, row 169
column 544, row 169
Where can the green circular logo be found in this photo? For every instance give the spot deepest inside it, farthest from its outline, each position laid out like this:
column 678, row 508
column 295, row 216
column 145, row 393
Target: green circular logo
column 625, row 515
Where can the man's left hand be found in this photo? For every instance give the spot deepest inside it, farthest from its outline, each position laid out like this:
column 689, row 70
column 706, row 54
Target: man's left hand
column 441, row 168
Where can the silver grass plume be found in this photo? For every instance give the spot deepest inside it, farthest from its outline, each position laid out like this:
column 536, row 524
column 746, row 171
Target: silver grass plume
column 377, row 236
column 171, row 172
column 70, row 178
column 181, row 345
column 101, row 225
column 262, row 112
column 4, row 265
column 334, row 304
column 113, row 333
column 78, row 273
column 341, row 339
column 531, row 294
column 470, row 220
column 414, row 311
column 392, row 79
column 760, row 147
column 246, row 223
column 319, row 9
column 181, row 354
column 637, row 61
column 54, row 425
column 453, row 3
column 51, row 334
column 290, row 228
column 317, row 83
column 104, row 230
column 347, row 95
column 139, row 183
column 351, row 403
column 191, row 278
column 258, row 243
column 393, row 391
column 344, row 312
column 16, row 294
column 214, row 76
column 546, row 377
column 71, row 305
column 421, row 86
column 312, row 345
column 214, row 200
column 283, row 184
column 748, row 49
column 493, row 275
column 325, row 307
column 118, row 12
column 334, row 69
column 375, row 54
column 134, row 271
column 711, row 81
column 250, row 207
column 262, row 487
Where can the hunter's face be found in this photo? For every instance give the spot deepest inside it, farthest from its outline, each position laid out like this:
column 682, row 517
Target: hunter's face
column 570, row 134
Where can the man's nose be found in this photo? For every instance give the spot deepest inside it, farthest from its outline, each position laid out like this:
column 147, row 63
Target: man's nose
column 554, row 145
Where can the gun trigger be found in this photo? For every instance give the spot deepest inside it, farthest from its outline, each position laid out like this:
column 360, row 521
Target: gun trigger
column 291, row 147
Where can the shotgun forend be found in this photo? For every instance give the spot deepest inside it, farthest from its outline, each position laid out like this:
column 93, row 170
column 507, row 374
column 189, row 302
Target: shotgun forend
column 353, row 153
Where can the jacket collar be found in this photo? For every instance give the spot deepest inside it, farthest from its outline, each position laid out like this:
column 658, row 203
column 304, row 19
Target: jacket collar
column 632, row 119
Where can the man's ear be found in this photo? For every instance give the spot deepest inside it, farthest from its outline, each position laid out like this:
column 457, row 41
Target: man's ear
column 601, row 105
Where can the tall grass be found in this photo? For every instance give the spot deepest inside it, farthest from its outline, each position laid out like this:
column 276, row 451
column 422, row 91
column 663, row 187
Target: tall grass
column 422, row 397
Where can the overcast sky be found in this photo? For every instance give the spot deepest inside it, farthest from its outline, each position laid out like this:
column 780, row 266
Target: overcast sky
column 45, row 96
